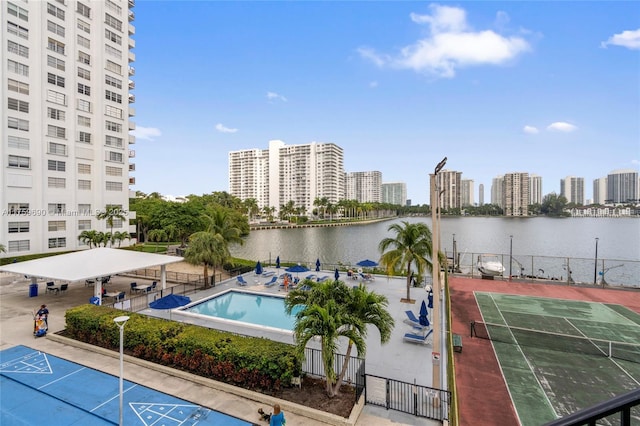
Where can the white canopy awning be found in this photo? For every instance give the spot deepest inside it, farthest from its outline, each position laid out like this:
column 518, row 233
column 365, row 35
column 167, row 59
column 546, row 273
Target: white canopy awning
column 89, row 264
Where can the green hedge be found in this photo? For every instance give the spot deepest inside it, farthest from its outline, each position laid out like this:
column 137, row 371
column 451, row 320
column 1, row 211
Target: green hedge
column 249, row 362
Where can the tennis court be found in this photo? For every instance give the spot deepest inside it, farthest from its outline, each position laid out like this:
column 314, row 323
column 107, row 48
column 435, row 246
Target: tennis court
column 558, row 356
column 38, row 388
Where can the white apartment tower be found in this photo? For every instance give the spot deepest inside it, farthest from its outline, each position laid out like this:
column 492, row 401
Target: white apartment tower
column 66, row 105
column 497, row 187
column 622, row 186
column 481, row 194
column 516, row 194
column 467, row 196
column 364, row 187
column 599, row 190
column 284, row 173
column 535, row 189
column 394, row 193
column 572, row 188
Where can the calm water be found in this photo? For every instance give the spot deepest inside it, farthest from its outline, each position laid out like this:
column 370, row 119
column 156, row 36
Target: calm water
column 618, row 239
column 246, row 307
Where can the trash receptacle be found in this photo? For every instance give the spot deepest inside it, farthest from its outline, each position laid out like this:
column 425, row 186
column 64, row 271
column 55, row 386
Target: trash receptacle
column 95, row 300
column 33, row 290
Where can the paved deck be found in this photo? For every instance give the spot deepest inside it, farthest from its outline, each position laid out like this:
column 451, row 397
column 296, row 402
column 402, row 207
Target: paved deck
column 397, row 359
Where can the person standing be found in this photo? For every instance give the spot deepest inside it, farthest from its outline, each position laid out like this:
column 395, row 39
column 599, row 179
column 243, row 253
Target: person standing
column 277, row 418
column 43, row 314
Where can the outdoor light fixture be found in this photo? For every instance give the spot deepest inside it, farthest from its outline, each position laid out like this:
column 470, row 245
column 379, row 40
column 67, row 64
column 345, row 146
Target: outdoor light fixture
column 595, row 266
column 121, row 321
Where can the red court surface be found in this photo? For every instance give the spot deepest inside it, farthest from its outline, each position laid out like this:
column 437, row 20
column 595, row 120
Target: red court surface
column 482, row 394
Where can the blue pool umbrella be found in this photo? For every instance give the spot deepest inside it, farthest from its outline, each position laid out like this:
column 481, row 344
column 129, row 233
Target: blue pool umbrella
column 337, row 274
column 258, row 268
column 367, row 263
column 278, row 262
column 423, row 314
column 170, row 301
column 297, row 268
column 318, row 265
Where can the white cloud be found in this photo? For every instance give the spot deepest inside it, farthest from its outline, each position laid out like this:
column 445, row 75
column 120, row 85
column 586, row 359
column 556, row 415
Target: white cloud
column 222, row 129
column 146, row 133
column 273, row 95
column 628, row 39
column 530, row 130
column 451, row 44
column 562, row 126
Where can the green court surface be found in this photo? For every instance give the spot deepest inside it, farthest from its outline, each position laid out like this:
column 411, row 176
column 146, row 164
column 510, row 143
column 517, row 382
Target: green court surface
column 558, row 356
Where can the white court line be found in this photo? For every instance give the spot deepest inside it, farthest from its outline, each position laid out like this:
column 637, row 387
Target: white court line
column 63, row 377
column 111, row 399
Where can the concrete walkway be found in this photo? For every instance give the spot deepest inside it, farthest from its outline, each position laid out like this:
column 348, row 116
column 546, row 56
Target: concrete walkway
column 398, row 360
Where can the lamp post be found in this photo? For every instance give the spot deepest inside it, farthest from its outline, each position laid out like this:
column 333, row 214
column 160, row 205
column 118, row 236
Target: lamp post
column 435, row 244
column 510, row 254
column 595, row 265
column 121, row 321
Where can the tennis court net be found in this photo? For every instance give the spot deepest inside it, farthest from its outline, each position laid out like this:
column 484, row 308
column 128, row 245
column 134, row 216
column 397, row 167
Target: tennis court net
column 555, row 341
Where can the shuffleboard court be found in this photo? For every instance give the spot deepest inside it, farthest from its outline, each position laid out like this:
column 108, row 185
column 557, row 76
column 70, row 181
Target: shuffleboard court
column 38, row 388
column 558, row 356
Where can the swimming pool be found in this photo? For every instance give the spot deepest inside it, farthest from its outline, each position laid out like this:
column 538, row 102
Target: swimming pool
column 247, row 307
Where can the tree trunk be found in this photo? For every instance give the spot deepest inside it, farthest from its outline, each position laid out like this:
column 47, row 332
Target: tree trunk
column 347, row 357
column 409, row 281
column 206, row 276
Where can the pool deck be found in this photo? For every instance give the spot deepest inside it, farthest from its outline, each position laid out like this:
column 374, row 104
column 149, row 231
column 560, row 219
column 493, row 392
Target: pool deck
column 397, row 359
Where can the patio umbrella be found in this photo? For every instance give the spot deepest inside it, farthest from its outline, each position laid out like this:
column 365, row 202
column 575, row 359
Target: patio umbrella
column 423, row 314
column 170, row 301
column 318, row 265
column 367, row 263
column 278, row 262
column 297, row 269
column 337, row 274
column 258, row 268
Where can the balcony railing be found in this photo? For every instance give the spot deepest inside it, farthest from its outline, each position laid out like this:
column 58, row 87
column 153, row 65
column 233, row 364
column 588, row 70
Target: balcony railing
column 132, row 153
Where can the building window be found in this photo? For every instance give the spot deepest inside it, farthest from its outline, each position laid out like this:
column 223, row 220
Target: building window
column 55, row 79
column 19, row 124
column 112, row 81
column 84, row 89
column 18, row 49
column 55, row 28
column 113, row 111
column 56, row 114
column 84, row 137
column 57, row 148
column 84, row 58
column 113, row 186
column 57, row 166
column 113, row 126
column 114, row 23
column 55, row 11
column 18, row 142
column 18, row 208
column 85, row 210
column 56, row 97
column 84, row 184
column 55, row 46
column 84, row 42
column 82, row 73
column 116, row 53
column 17, row 11
column 110, row 35
column 56, row 182
column 57, row 225
column 57, row 242
column 17, row 105
column 18, row 86
column 18, row 68
column 113, row 67
column 113, row 171
column 84, row 225
column 83, row 26
column 113, row 96
column 19, row 162
column 83, row 10
column 84, row 169
column 17, row 227
column 55, row 63
column 117, row 222
column 57, row 208
column 84, row 121
column 16, row 29
column 20, row 245
column 115, row 157
column 112, row 6
column 56, row 132
column 113, row 141
column 84, row 105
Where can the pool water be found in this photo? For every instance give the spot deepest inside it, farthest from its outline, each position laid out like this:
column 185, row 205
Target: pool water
column 257, row 309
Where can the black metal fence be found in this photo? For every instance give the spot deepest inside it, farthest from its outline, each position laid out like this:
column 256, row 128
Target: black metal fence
column 354, row 375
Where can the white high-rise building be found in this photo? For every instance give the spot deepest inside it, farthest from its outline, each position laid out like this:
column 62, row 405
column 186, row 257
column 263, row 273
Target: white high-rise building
column 497, row 187
column 65, row 144
column 394, row 193
column 364, row 187
column 572, row 188
column 288, row 173
column 467, row 196
column 481, row 194
column 450, row 182
column 535, row 189
column 516, row 194
column 599, row 190
column 622, row 186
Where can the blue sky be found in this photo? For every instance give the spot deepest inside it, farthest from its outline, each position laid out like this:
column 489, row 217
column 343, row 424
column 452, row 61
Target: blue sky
column 548, row 88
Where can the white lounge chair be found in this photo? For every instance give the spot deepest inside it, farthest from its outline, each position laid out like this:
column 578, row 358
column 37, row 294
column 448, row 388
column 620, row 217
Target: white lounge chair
column 419, row 338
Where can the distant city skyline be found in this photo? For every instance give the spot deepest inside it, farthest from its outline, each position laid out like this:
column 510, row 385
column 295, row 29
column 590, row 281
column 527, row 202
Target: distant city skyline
column 497, row 87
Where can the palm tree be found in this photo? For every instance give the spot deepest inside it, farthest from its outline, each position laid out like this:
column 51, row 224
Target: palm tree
column 332, row 310
column 89, row 237
column 411, row 246
column 3, row 249
column 219, row 222
column 120, row 236
column 208, row 249
column 110, row 213
column 157, row 235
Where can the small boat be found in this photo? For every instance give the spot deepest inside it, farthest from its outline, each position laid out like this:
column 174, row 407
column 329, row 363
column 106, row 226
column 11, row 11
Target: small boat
column 490, row 265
